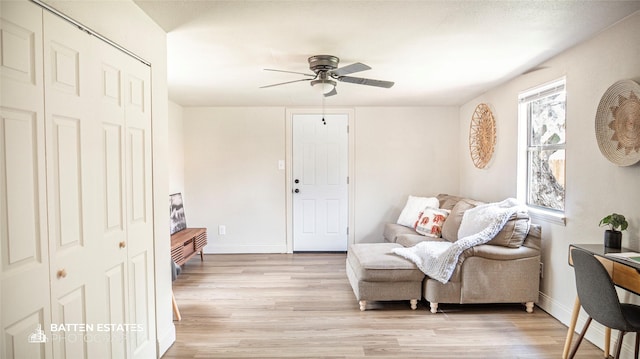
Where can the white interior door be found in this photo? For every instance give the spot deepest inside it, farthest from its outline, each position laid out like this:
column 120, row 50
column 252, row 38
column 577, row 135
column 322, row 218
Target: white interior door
column 72, row 168
column 139, row 209
column 124, row 102
column 320, row 182
column 24, row 261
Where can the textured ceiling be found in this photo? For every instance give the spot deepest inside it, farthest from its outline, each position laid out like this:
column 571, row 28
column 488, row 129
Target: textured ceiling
column 437, row 52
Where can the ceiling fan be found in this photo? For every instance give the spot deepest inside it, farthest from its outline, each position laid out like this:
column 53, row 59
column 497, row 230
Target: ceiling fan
column 326, row 72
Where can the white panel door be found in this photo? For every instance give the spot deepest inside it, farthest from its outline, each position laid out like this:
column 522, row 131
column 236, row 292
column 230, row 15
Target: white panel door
column 109, row 91
column 320, row 182
column 72, row 177
column 24, row 262
column 122, row 91
column 139, row 208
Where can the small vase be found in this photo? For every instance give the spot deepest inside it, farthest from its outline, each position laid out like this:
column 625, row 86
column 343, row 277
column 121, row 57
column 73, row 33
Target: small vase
column 612, row 239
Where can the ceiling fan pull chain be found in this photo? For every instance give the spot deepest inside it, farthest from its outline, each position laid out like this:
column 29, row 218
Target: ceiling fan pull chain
column 324, row 122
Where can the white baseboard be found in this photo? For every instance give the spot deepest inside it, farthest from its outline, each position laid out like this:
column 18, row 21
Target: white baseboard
column 217, row 248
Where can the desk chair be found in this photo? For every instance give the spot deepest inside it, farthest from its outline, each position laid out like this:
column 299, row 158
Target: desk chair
column 599, row 299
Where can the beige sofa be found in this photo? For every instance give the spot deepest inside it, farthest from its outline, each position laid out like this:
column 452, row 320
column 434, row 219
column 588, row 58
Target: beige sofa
column 505, row 270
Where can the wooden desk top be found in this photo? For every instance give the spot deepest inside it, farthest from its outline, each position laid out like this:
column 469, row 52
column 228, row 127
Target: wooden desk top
column 602, row 251
column 625, row 273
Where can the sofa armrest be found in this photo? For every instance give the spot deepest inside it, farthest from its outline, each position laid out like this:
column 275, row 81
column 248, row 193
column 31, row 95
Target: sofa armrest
column 501, row 253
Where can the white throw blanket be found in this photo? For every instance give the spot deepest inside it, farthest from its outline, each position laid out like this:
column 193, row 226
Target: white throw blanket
column 438, row 259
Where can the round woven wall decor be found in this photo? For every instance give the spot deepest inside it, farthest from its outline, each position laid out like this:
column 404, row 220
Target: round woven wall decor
column 482, row 135
column 618, row 123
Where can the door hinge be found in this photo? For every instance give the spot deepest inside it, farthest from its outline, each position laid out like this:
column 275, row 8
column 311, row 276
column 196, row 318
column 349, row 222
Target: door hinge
column 347, row 179
column 347, row 128
column 347, row 231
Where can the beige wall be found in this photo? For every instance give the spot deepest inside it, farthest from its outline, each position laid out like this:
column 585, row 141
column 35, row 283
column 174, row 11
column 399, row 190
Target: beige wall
column 232, row 178
column 118, row 20
column 401, row 151
column 595, row 187
column 176, row 148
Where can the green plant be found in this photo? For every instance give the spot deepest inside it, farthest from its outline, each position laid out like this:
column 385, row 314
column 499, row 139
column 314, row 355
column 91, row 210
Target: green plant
column 615, row 221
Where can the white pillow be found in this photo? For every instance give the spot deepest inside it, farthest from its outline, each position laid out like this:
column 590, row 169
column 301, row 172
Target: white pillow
column 412, row 209
column 476, row 219
column 430, row 222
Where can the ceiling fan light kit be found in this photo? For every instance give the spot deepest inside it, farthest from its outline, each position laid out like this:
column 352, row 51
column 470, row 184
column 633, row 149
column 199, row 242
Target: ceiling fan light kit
column 325, row 68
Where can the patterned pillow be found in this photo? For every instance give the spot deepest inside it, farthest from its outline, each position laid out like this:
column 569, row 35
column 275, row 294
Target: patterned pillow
column 430, row 221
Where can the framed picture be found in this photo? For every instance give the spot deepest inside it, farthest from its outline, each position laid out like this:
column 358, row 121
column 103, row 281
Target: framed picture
column 176, row 213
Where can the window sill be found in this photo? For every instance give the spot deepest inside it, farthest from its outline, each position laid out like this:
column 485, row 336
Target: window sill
column 548, row 216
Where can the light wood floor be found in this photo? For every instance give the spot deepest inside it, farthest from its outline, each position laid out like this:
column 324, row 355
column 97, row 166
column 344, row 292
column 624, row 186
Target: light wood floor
column 301, row 306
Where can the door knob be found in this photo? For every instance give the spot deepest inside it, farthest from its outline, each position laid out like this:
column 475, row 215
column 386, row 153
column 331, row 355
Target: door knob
column 122, row 244
column 62, row 273
column 296, row 190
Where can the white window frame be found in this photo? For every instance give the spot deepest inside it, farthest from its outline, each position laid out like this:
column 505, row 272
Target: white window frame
column 547, row 214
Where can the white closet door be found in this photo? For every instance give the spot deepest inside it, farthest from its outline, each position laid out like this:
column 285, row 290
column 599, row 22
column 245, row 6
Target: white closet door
column 72, row 167
column 107, row 170
column 122, row 89
column 76, row 224
column 109, row 91
column 139, row 208
column 24, row 268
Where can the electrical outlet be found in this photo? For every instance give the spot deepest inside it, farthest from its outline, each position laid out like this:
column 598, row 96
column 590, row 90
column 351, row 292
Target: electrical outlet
column 222, row 230
column 541, row 270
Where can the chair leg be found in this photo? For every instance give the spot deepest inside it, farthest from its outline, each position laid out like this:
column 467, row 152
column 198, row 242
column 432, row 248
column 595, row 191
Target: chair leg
column 584, row 331
column 619, row 344
column 637, row 345
column 176, row 310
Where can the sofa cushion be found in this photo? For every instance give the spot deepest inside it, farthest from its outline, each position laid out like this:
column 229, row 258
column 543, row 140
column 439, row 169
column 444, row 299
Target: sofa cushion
column 452, row 224
column 430, row 221
column 447, row 201
column 392, row 231
column 375, row 262
column 405, row 236
column 410, row 240
column 514, row 231
column 413, row 207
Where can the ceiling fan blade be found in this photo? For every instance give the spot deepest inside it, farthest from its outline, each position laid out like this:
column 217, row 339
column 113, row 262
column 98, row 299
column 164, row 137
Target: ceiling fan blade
column 284, row 83
column 363, row 81
column 331, row 93
column 291, row 72
column 349, row 69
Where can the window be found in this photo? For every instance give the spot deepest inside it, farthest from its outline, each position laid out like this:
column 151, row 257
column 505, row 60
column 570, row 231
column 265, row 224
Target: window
column 541, row 170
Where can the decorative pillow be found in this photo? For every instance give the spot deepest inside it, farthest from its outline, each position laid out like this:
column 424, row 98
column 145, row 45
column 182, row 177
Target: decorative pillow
column 412, row 209
column 451, row 225
column 430, row 221
column 447, row 201
column 514, row 232
column 477, row 219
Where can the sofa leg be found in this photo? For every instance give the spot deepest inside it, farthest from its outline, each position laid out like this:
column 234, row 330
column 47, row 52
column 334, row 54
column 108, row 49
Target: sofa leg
column 529, row 306
column 434, row 307
column 363, row 305
column 414, row 304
